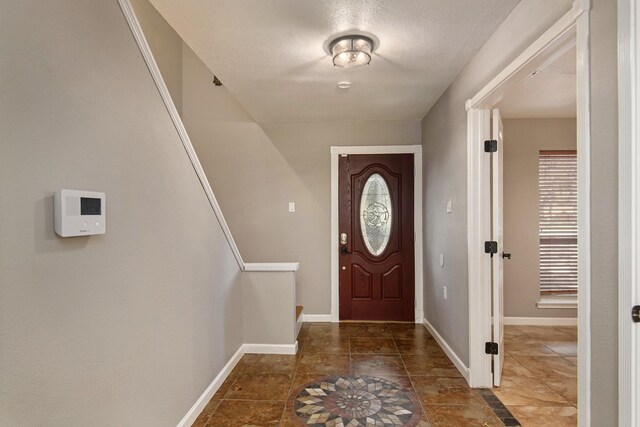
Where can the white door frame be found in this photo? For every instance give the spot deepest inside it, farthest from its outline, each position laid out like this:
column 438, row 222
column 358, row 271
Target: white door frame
column 571, row 30
column 416, row 150
column 628, row 210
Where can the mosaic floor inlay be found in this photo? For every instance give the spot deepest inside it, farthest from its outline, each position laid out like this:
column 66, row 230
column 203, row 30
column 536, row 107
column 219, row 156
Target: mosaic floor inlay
column 350, row 401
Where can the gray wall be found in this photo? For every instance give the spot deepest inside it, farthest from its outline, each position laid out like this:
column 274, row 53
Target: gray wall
column 130, row 327
column 256, row 169
column 444, row 140
column 523, row 140
column 165, row 45
column 444, row 137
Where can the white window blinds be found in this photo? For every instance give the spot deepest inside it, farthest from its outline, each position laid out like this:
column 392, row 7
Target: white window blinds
column 558, row 205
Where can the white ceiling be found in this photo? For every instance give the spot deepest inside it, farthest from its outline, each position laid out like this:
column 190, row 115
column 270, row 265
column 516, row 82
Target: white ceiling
column 270, row 53
column 549, row 93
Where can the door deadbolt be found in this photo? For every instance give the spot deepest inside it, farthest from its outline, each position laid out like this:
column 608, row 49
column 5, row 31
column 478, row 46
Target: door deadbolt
column 343, row 250
column 343, row 238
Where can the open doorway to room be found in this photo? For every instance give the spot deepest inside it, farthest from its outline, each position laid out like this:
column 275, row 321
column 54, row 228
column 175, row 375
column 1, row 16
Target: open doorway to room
column 528, row 180
column 535, row 220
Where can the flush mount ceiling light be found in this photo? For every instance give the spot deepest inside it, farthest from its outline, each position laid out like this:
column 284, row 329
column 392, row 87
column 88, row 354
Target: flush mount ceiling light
column 344, row 85
column 351, row 51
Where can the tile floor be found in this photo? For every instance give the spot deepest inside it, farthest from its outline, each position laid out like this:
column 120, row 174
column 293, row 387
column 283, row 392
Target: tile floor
column 540, row 383
column 263, row 389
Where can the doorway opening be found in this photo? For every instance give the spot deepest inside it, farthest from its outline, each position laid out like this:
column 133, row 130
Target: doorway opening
column 376, row 256
column 565, row 40
column 534, row 193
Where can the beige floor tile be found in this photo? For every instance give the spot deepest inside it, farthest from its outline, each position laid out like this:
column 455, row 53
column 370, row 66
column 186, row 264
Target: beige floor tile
column 563, row 348
column 546, row 333
column 513, row 368
column 549, row 367
column 536, row 416
column 445, row 391
column 567, row 388
column 528, row 391
column 462, row 416
column 569, row 330
column 527, row 347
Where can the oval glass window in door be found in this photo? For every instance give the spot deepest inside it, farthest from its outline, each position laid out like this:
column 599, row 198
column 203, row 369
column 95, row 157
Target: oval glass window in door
column 375, row 214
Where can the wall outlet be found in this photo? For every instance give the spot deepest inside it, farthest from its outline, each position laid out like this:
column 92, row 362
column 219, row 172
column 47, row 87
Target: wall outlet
column 292, row 207
column 444, row 288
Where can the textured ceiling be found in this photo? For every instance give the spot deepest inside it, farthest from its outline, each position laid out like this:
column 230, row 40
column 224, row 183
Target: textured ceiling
column 270, row 54
column 549, row 93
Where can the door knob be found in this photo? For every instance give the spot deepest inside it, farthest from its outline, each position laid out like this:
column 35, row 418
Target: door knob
column 343, row 250
column 635, row 313
column 506, row 255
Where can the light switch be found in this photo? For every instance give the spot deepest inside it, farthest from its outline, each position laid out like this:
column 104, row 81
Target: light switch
column 441, row 260
column 449, row 206
column 292, row 207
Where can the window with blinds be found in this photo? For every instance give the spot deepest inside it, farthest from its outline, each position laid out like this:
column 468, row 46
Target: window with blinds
column 558, row 206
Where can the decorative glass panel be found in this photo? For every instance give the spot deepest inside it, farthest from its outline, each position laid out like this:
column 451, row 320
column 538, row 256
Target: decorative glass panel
column 375, row 214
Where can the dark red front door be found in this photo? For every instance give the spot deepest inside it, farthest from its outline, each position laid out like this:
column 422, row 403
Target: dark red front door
column 376, row 258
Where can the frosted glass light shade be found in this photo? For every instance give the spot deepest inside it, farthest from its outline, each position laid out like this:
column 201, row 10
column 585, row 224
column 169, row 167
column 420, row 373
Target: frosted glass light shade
column 351, row 51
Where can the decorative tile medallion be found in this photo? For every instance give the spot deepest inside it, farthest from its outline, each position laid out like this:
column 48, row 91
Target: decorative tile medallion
column 350, row 401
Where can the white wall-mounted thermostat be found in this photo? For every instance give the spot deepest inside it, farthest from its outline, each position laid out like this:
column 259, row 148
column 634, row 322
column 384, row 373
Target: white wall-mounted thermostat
column 79, row 213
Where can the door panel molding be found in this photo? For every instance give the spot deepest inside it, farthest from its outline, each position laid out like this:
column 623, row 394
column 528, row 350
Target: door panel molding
column 416, row 150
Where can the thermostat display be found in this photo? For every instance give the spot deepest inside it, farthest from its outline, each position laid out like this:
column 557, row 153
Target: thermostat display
column 79, row 213
column 90, row 206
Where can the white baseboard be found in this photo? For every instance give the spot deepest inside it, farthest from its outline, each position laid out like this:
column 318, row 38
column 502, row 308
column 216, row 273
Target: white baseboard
column 202, row 401
column 298, row 327
column 271, row 348
column 447, row 349
column 316, row 318
column 542, row 321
